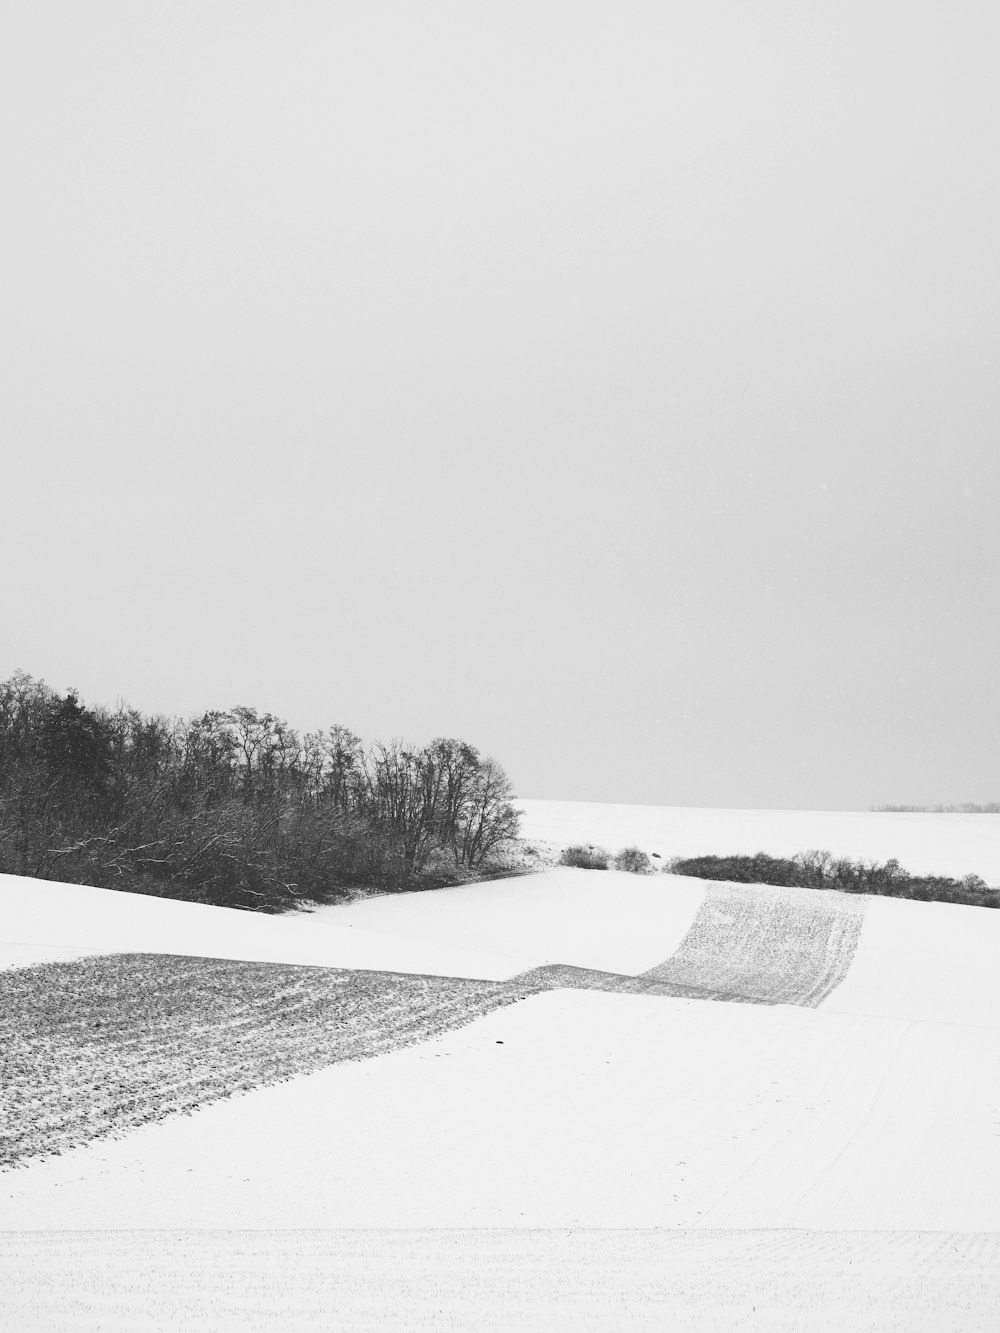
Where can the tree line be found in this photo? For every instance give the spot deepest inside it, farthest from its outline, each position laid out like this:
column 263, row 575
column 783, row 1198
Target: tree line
column 821, row 870
column 236, row 808
column 965, row 808
column 807, row 870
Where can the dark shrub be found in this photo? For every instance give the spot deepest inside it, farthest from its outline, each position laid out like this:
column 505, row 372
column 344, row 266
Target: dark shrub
column 585, row 858
column 634, row 860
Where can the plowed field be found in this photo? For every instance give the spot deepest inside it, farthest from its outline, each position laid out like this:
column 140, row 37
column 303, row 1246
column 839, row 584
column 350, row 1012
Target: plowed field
column 102, row 1045
column 95, row 1047
column 764, row 946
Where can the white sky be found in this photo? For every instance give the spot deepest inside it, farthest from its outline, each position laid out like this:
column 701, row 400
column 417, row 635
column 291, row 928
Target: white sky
column 613, row 385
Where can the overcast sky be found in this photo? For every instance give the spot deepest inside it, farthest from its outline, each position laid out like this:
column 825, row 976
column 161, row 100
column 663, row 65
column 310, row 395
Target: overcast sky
column 614, row 385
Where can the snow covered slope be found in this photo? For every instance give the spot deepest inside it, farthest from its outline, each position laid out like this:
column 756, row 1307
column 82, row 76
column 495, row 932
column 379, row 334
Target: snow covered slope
column 832, row 1112
column 491, row 930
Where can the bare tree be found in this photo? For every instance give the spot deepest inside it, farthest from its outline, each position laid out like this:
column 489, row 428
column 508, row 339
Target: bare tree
column 489, row 818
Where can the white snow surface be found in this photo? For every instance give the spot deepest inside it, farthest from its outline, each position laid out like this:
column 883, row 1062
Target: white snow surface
column 526, row 1281
column 625, row 923
column 595, row 1111
column 877, row 1112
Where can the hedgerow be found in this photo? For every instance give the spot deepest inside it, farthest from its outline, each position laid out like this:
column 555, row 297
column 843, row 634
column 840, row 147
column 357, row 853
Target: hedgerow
column 821, row 870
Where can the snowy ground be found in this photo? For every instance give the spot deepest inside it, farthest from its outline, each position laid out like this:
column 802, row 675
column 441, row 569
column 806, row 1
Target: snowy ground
column 501, row 1282
column 581, row 1158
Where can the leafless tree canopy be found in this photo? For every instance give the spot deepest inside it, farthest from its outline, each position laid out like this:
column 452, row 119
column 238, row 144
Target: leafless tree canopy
column 235, row 807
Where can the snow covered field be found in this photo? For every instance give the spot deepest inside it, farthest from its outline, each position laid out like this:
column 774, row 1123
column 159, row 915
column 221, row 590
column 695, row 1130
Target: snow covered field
column 823, row 1153
column 924, row 844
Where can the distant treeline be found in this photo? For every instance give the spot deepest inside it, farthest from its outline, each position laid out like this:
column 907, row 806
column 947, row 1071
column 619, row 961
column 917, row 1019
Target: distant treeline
column 967, row 808
column 821, row 870
column 235, row 808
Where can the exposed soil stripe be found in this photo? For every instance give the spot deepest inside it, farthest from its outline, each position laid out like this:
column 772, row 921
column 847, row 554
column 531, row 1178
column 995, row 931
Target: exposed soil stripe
column 102, row 1045
column 760, row 945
